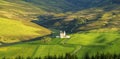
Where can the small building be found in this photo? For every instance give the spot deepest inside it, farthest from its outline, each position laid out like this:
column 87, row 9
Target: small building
column 62, row 35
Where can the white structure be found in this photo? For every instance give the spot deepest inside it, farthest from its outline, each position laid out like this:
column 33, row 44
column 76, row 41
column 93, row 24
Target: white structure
column 62, row 35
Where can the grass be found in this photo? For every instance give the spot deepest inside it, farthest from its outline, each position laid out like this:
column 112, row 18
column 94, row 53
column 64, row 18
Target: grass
column 12, row 30
column 9, row 26
column 93, row 38
column 52, row 50
column 96, row 42
column 33, row 50
column 93, row 42
column 92, row 50
column 15, row 22
column 15, row 31
column 15, row 25
column 19, row 10
column 13, row 51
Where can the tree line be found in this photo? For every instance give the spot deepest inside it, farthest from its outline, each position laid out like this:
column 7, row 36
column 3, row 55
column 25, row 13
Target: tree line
column 69, row 56
column 66, row 56
column 102, row 56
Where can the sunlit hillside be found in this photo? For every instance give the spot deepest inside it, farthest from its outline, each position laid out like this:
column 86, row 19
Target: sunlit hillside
column 15, row 25
column 16, row 31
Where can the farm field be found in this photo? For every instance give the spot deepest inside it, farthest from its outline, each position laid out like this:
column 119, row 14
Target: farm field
column 34, row 49
column 107, row 44
column 94, row 38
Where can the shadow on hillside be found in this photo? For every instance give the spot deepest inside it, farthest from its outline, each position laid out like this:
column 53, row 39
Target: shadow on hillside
column 34, row 39
column 59, row 23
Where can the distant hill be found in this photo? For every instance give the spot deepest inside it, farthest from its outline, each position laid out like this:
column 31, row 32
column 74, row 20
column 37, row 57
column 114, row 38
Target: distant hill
column 62, row 5
column 116, row 1
column 19, row 10
column 67, row 5
column 89, row 19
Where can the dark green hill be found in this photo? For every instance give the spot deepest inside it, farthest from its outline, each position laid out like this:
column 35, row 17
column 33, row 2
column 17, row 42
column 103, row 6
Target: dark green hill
column 67, row 5
column 64, row 5
column 84, row 20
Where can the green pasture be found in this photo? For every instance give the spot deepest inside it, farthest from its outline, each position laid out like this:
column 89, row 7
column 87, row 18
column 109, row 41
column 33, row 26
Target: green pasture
column 95, row 42
column 15, row 31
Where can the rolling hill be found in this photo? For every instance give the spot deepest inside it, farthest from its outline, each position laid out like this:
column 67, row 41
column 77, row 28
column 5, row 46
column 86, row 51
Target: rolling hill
column 15, row 25
column 92, row 24
column 15, row 31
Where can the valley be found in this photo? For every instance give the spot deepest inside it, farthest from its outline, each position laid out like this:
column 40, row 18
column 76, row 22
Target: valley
column 28, row 28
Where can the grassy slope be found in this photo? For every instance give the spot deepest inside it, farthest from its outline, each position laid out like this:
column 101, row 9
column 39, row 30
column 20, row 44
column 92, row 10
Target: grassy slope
column 94, row 38
column 15, row 31
column 19, row 10
column 15, row 22
column 110, row 45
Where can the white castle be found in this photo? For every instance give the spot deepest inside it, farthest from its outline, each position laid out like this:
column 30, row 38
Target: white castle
column 62, row 35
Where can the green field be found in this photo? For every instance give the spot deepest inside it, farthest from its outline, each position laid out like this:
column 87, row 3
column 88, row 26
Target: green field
column 94, row 38
column 92, row 43
column 34, row 49
column 79, row 44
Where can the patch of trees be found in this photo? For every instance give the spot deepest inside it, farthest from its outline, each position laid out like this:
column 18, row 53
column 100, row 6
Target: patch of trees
column 62, row 22
column 116, row 1
column 27, row 0
column 48, row 20
column 102, row 56
column 66, row 56
column 46, row 40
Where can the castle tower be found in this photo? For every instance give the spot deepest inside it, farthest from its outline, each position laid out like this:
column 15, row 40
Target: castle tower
column 62, row 34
